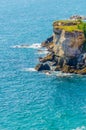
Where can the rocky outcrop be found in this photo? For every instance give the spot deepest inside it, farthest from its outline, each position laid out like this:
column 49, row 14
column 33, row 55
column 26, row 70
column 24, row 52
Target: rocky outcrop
column 77, row 17
column 67, row 42
column 41, row 67
column 49, row 57
column 67, row 48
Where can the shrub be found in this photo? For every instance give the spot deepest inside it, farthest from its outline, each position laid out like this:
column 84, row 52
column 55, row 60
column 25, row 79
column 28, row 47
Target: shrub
column 84, row 29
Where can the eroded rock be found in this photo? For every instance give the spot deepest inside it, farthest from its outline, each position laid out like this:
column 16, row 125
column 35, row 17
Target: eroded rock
column 67, row 48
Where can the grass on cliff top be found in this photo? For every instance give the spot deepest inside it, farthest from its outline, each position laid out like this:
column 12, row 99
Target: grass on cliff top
column 70, row 25
column 69, row 28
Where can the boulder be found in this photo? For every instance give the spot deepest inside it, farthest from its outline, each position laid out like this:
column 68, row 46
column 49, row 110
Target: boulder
column 41, row 67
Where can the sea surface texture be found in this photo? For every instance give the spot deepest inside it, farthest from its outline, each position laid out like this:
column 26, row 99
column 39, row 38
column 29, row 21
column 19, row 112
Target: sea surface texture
column 30, row 100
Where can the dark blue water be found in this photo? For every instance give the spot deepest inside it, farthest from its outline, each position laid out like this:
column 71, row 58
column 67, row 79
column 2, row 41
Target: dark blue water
column 30, row 100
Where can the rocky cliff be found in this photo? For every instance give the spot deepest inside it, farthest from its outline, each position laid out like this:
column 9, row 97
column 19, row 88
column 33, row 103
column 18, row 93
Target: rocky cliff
column 67, row 48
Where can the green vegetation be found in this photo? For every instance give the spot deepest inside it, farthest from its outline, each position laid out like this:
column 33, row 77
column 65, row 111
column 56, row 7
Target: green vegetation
column 68, row 28
column 84, row 29
column 70, row 25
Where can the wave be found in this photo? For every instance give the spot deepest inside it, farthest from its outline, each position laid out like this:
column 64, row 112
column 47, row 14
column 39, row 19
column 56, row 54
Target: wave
column 60, row 74
column 33, row 46
column 43, row 51
column 29, row 69
column 49, row 73
column 80, row 128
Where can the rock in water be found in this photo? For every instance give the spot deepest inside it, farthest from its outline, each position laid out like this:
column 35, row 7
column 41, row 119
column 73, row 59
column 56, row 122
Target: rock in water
column 67, row 47
column 41, row 67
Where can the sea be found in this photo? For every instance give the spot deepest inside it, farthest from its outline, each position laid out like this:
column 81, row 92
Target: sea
column 31, row 100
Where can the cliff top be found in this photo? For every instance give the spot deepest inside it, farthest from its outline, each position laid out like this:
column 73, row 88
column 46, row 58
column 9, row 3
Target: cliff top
column 70, row 25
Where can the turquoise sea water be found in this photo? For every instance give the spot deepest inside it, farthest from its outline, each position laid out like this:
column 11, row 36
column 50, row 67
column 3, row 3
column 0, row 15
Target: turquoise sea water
column 30, row 100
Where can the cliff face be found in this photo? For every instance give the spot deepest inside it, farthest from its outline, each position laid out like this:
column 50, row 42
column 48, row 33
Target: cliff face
column 66, row 46
column 68, row 43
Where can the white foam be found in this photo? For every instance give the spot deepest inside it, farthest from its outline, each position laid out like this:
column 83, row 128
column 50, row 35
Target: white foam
column 20, row 46
column 60, row 74
column 80, row 128
column 43, row 52
column 33, row 46
column 48, row 73
column 29, row 69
